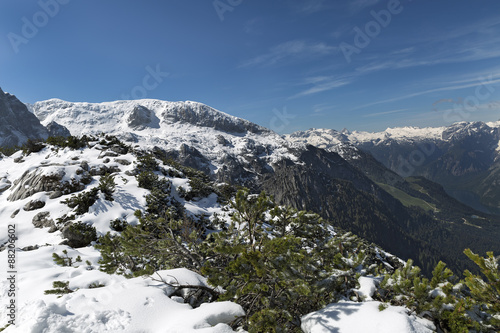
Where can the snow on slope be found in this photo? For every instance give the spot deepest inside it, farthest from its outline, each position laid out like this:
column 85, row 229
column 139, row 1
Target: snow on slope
column 167, row 125
column 353, row 317
column 121, row 305
column 327, row 139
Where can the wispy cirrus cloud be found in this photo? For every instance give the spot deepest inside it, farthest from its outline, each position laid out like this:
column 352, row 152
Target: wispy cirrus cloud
column 493, row 79
column 384, row 113
column 296, row 50
column 321, row 84
column 474, row 42
column 468, row 52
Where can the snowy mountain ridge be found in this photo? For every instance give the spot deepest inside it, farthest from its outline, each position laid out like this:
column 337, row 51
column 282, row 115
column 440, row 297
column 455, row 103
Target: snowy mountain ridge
column 132, row 115
column 215, row 135
column 401, row 134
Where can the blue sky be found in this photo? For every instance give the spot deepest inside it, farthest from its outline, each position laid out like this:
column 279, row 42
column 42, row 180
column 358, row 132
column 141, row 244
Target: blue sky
column 285, row 64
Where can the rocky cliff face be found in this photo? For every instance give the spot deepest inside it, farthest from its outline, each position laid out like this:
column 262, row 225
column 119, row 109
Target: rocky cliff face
column 17, row 124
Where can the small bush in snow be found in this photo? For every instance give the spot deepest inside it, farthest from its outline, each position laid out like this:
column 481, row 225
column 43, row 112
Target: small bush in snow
column 60, row 288
column 65, row 260
column 82, row 201
column 107, row 186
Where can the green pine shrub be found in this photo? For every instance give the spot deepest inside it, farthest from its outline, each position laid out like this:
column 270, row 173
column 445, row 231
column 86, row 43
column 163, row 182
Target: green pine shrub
column 32, row 146
column 65, row 260
column 486, row 294
column 82, row 201
column 107, row 186
column 60, row 288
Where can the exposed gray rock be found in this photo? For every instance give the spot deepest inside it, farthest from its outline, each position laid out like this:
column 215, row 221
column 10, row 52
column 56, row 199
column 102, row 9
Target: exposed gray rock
column 191, row 157
column 43, row 220
column 55, row 129
column 141, row 118
column 34, row 205
column 56, row 194
column 15, row 213
column 222, row 140
column 119, row 149
column 122, row 161
column 17, row 123
column 30, row 248
column 19, row 159
column 5, row 184
column 108, row 153
column 75, row 238
column 101, row 170
column 131, row 173
column 34, row 182
column 85, row 166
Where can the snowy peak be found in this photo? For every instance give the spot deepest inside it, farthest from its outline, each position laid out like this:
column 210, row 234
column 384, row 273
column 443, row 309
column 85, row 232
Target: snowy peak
column 218, row 143
column 140, row 115
column 459, row 131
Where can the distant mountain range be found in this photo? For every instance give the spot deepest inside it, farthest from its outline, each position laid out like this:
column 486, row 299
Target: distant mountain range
column 328, row 172
column 464, row 157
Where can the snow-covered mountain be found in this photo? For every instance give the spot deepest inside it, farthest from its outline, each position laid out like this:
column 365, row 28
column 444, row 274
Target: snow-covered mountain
column 198, row 135
column 296, row 173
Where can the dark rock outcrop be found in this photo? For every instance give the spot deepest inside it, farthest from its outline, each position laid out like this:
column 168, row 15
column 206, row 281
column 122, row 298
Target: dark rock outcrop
column 34, row 205
column 203, row 115
column 56, row 130
column 141, row 118
column 43, row 220
column 17, row 123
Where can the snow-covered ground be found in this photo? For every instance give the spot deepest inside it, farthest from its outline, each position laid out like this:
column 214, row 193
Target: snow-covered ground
column 101, row 302
column 120, row 305
column 354, row 317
